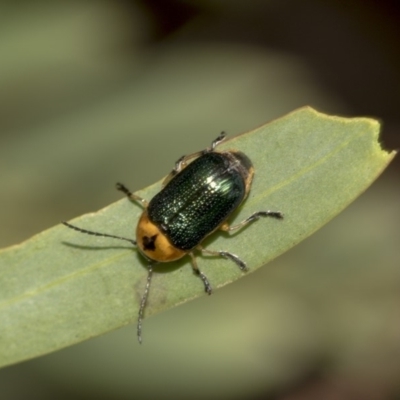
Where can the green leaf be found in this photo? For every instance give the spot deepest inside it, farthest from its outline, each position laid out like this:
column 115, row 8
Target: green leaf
column 61, row 287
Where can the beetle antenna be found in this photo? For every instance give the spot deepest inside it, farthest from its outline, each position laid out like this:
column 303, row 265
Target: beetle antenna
column 98, row 233
column 143, row 303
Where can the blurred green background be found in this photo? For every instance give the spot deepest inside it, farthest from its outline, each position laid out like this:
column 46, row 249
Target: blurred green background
column 92, row 93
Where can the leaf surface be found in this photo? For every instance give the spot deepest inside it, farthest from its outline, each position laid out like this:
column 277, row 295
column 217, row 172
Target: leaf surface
column 61, row 287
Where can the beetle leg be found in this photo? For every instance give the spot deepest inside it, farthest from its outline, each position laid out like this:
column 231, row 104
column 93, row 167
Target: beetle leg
column 182, row 162
column 143, row 303
column 130, row 195
column 207, row 286
column 253, row 217
column 221, row 137
column 229, row 256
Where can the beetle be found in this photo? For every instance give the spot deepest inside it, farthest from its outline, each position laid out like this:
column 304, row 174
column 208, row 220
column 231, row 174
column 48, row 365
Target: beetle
column 196, row 199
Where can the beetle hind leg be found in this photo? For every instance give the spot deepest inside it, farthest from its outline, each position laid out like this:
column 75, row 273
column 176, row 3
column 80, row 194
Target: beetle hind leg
column 207, row 286
column 226, row 254
column 253, row 217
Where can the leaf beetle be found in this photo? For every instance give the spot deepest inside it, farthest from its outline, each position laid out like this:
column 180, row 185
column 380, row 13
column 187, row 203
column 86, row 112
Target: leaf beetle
column 196, row 199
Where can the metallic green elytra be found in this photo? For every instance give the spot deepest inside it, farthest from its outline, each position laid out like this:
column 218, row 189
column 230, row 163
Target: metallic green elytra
column 200, row 198
column 196, row 199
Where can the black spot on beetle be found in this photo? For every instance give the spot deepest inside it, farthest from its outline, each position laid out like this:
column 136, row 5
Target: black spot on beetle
column 149, row 242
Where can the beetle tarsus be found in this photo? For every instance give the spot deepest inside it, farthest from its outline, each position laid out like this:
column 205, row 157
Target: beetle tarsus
column 257, row 215
column 233, row 257
column 218, row 140
column 268, row 213
column 121, row 187
column 207, row 286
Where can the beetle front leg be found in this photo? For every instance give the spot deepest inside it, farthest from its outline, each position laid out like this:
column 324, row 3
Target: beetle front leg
column 253, row 217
